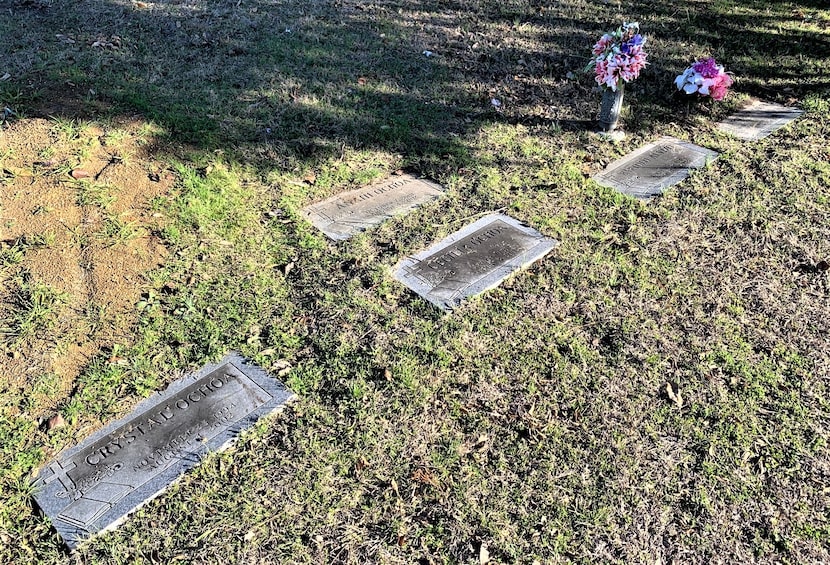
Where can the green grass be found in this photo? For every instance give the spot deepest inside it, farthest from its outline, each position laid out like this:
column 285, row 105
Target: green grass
column 34, row 308
column 534, row 421
column 116, row 230
column 95, row 194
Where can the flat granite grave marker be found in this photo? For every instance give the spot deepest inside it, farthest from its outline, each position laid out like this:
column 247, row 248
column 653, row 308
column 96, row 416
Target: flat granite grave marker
column 758, row 120
column 342, row 216
column 92, row 487
column 472, row 260
column 651, row 169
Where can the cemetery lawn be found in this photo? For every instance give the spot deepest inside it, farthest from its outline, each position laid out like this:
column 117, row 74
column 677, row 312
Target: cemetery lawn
column 654, row 390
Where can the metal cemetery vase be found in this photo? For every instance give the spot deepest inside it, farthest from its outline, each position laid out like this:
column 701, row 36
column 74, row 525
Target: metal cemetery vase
column 610, row 107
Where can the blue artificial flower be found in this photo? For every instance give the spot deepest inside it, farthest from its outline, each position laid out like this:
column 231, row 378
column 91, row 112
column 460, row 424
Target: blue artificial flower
column 631, row 43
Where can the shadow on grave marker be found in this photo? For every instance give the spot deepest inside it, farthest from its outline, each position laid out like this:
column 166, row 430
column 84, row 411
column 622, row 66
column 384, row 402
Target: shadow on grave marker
column 93, row 486
column 649, row 170
column 758, row 120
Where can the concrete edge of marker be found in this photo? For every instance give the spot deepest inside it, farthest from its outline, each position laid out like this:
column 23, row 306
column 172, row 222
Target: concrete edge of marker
column 490, row 280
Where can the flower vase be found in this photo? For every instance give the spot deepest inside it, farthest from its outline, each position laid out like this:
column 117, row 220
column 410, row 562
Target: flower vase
column 610, row 107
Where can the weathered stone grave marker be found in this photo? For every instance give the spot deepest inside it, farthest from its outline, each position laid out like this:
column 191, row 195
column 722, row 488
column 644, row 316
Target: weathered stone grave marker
column 472, row 260
column 758, row 120
column 651, row 169
column 93, row 486
column 342, row 216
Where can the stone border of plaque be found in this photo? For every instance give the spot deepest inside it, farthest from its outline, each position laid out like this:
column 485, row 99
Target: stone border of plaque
column 93, row 486
column 472, row 260
column 344, row 215
column 758, row 120
column 649, row 170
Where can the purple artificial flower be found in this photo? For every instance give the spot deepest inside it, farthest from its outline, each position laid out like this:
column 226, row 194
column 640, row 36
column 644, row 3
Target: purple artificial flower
column 708, row 68
column 631, row 44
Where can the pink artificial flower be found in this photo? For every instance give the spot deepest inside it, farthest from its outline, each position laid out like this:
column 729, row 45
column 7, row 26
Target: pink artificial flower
column 722, row 83
column 618, row 56
column 603, row 44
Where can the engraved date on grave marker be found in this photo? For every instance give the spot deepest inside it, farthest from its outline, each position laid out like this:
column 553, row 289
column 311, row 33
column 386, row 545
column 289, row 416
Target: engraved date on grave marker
column 94, row 485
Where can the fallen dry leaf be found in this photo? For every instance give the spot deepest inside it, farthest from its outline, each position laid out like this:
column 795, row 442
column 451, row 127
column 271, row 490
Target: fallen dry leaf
column 483, row 554
column 282, row 367
column 360, row 464
column 674, row 393
column 425, row 478
column 55, row 422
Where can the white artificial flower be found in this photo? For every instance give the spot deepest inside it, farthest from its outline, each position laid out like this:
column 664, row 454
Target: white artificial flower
column 681, row 79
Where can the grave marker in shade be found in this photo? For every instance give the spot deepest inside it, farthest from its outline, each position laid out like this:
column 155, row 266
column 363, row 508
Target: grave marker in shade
column 93, row 486
column 758, row 120
column 474, row 259
column 342, row 216
column 651, row 169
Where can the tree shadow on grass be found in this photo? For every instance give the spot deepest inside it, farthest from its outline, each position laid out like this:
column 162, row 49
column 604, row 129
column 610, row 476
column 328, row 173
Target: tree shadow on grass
column 771, row 49
column 288, row 84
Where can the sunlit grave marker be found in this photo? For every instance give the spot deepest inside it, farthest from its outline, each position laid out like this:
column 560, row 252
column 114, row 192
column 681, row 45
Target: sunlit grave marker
column 344, row 215
column 93, row 486
column 474, row 259
column 758, row 120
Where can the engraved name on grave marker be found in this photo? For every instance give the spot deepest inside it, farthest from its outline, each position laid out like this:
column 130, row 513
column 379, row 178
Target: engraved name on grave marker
column 93, row 486
column 651, row 169
column 472, row 260
column 344, row 215
column 758, row 120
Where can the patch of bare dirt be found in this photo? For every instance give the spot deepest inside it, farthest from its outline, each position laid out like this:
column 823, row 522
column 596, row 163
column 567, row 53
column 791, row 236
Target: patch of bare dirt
column 75, row 202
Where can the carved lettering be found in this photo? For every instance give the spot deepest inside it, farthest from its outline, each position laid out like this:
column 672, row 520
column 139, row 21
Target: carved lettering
column 472, row 256
column 157, row 419
column 346, row 206
column 89, row 481
column 344, row 215
column 97, row 483
column 651, row 170
column 454, row 252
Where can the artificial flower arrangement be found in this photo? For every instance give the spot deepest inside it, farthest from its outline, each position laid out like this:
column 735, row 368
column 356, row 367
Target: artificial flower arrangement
column 618, row 55
column 705, row 78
